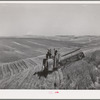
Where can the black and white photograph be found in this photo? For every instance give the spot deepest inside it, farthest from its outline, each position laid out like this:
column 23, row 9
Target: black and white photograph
column 49, row 46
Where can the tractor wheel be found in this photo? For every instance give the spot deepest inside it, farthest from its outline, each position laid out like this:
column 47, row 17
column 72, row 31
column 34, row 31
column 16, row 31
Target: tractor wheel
column 80, row 56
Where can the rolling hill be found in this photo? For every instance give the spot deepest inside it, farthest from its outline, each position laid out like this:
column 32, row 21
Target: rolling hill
column 20, row 58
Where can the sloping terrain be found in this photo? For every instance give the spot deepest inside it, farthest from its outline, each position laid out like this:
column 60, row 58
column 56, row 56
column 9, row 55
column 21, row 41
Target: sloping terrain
column 20, row 75
column 20, row 58
column 12, row 74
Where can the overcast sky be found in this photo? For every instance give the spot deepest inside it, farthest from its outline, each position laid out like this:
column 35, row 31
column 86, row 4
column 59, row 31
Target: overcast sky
column 49, row 19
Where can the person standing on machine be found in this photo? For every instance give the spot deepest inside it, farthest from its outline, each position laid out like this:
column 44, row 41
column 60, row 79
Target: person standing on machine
column 56, row 59
column 48, row 55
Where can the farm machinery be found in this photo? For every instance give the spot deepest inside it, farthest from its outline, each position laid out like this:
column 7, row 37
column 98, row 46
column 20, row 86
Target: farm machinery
column 56, row 59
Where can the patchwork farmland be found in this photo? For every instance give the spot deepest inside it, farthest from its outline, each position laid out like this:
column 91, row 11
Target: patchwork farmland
column 20, row 58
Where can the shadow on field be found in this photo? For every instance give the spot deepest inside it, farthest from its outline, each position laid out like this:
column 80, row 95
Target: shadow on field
column 44, row 73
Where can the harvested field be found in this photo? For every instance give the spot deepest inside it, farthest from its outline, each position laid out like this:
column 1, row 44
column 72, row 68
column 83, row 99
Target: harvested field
column 22, row 57
column 20, row 75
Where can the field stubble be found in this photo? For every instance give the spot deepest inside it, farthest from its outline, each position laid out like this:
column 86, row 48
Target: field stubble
column 20, row 74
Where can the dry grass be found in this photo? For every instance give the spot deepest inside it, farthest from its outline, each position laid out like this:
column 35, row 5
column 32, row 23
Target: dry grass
column 19, row 74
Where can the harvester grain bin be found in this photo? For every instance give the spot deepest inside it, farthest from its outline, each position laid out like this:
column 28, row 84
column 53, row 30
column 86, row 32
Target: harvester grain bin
column 71, row 57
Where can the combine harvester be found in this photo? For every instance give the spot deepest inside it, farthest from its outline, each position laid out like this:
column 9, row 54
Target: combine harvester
column 64, row 58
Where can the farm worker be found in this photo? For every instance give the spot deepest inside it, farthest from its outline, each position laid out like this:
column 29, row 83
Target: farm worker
column 55, row 58
column 48, row 55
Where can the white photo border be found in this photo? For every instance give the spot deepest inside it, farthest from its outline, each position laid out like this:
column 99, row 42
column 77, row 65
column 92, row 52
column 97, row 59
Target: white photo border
column 50, row 94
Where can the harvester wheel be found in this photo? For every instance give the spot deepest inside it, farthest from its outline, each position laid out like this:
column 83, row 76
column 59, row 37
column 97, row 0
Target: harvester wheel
column 80, row 56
